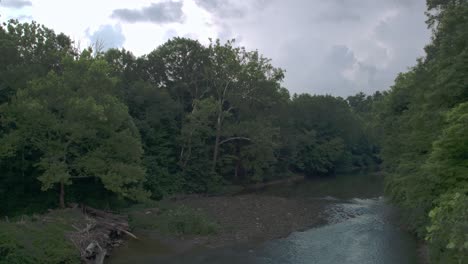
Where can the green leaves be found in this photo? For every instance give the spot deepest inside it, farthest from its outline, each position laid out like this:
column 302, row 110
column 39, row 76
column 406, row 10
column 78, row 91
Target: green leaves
column 184, row 118
column 30, row 50
column 448, row 227
column 447, row 170
column 327, row 135
column 32, row 242
column 79, row 128
column 448, row 163
column 425, row 145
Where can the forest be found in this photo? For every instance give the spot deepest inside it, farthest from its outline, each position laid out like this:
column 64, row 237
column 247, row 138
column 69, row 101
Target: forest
column 109, row 129
column 185, row 118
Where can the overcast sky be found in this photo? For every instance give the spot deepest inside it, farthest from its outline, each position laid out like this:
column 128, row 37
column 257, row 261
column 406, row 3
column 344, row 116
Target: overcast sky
column 337, row 47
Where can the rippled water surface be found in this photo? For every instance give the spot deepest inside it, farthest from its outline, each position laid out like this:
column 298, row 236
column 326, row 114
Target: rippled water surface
column 360, row 230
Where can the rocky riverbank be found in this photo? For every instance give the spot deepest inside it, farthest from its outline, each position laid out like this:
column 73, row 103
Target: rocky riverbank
column 246, row 218
column 252, row 217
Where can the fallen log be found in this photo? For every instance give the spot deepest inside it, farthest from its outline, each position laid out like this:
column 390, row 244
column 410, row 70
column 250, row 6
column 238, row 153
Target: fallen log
column 100, row 257
column 99, row 233
column 119, row 228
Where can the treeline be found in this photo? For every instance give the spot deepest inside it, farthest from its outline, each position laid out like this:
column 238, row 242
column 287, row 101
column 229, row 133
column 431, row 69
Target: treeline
column 106, row 127
column 423, row 123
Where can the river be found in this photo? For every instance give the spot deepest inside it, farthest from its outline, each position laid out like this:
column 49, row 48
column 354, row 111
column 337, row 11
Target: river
column 361, row 228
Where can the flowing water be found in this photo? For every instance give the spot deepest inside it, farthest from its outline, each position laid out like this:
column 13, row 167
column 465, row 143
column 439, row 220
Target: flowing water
column 360, row 229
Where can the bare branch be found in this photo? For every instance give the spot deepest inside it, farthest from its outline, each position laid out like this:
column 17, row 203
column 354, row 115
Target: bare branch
column 80, row 177
column 234, row 138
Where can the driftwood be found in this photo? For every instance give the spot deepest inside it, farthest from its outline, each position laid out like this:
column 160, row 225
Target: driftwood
column 94, row 249
column 99, row 234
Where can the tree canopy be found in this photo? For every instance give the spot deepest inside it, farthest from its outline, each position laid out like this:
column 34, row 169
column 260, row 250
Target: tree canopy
column 91, row 126
column 423, row 121
column 184, row 118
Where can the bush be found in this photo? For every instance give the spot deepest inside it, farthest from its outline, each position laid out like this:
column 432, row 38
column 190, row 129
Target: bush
column 448, row 230
column 35, row 242
column 179, row 220
column 182, row 220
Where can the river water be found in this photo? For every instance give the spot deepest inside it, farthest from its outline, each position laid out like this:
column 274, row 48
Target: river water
column 361, row 228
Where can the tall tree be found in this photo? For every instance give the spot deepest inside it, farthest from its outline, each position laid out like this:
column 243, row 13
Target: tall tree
column 238, row 78
column 79, row 128
column 29, row 50
column 421, row 148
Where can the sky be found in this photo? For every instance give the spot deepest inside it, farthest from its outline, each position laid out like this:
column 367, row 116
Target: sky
column 336, row 47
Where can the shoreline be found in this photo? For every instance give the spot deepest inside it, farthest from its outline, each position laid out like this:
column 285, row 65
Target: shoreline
column 256, row 217
column 242, row 219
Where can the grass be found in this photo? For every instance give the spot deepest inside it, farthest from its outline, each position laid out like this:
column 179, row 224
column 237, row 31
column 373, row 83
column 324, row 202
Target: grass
column 177, row 220
column 38, row 240
column 42, row 238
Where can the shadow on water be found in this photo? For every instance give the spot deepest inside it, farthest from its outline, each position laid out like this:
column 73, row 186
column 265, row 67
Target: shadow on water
column 360, row 229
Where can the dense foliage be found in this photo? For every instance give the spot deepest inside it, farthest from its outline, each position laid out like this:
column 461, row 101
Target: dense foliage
column 91, row 126
column 36, row 240
column 424, row 123
column 187, row 118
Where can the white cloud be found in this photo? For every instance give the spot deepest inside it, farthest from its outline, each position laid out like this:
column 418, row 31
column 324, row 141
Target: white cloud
column 306, row 37
column 15, row 3
column 383, row 36
column 159, row 13
column 109, row 36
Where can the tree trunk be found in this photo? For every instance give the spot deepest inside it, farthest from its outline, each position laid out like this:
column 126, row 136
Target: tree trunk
column 62, row 195
column 218, row 127
column 238, row 164
column 22, row 169
column 216, row 146
column 184, row 158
